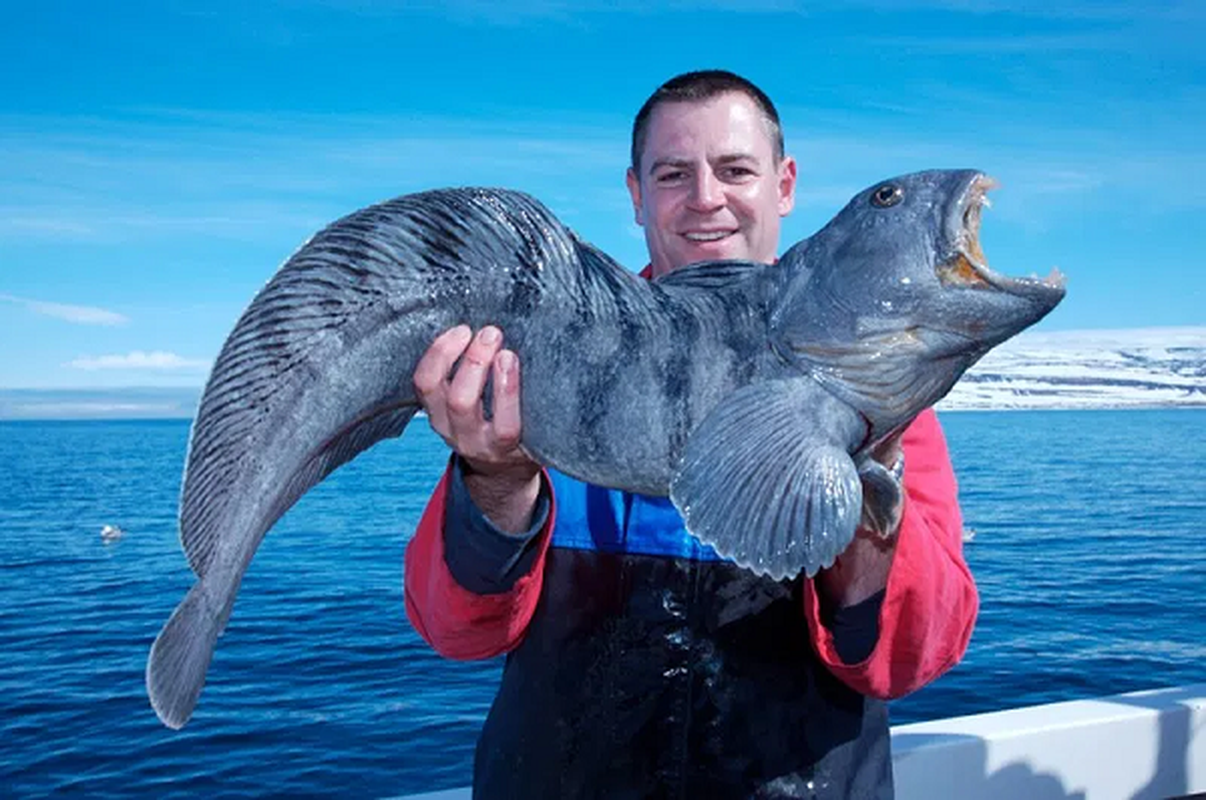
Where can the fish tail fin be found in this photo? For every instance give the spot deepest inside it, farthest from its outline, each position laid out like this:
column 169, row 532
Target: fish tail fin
column 180, row 657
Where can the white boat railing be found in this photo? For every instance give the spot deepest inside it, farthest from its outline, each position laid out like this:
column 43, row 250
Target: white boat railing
column 1138, row 746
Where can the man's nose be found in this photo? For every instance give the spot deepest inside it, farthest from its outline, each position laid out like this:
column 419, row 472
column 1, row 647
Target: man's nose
column 707, row 192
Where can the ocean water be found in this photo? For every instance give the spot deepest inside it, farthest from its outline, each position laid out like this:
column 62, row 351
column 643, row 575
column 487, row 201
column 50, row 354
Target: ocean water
column 1090, row 555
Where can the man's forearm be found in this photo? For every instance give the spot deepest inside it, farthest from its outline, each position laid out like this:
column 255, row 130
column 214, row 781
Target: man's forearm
column 506, row 500
column 859, row 572
column 481, row 556
column 862, row 569
column 929, row 605
column 470, row 591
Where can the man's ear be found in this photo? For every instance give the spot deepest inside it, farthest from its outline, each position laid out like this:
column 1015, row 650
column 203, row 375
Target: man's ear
column 634, row 190
column 787, row 185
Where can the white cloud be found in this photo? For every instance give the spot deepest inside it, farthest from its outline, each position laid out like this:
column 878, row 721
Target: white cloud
column 109, row 224
column 43, row 226
column 81, row 315
column 56, row 410
column 138, row 359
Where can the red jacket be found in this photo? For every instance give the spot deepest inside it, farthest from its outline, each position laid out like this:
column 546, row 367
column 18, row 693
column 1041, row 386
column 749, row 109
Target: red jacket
column 925, row 621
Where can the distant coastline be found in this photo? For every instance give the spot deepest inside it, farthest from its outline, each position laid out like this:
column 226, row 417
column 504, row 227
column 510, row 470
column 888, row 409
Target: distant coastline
column 133, row 403
column 958, row 409
column 147, row 402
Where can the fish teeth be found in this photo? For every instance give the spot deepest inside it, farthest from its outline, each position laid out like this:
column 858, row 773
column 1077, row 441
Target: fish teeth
column 976, row 263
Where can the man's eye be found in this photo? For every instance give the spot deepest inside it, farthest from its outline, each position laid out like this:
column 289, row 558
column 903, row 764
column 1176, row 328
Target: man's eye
column 670, row 177
column 736, row 173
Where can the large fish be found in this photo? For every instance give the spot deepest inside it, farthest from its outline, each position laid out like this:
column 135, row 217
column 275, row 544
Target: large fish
column 750, row 394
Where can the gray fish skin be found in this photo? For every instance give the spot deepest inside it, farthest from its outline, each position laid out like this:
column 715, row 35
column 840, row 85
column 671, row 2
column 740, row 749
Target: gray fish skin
column 748, row 393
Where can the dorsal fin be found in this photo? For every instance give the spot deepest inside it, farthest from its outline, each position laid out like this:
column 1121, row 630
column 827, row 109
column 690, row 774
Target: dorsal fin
column 712, row 274
column 380, row 264
column 265, row 362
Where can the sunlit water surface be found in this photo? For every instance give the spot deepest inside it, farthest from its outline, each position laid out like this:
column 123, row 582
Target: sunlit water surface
column 1090, row 555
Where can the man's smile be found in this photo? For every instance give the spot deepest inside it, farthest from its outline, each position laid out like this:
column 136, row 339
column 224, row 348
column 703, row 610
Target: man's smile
column 708, row 236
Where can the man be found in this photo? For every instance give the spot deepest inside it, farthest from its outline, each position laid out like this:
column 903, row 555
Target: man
column 640, row 663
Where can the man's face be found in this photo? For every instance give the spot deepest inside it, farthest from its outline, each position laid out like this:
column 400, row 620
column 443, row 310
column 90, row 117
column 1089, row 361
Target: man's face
column 709, row 186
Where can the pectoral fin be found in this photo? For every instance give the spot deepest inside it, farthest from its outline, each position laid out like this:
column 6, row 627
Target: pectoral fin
column 767, row 479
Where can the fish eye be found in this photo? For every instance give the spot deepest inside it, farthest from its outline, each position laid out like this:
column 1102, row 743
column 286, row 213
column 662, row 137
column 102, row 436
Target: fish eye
column 887, row 195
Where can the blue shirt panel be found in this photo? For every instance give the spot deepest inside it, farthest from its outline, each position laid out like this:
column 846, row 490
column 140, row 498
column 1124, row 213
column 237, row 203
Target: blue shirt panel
column 611, row 521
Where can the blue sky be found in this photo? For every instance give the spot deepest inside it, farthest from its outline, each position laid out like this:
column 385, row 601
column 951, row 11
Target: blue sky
column 159, row 160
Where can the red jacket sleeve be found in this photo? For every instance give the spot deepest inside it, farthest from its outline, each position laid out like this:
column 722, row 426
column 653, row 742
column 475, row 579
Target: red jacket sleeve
column 930, row 602
column 456, row 622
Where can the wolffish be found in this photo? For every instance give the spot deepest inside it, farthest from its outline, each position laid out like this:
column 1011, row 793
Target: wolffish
column 750, row 394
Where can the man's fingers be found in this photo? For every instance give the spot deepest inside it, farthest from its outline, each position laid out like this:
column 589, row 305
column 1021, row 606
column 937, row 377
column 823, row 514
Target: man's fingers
column 431, row 373
column 507, row 423
column 465, row 389
column 454, row 402
column 888, row 451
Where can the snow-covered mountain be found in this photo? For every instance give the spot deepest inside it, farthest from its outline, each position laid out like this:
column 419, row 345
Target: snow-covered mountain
column 1088, row 369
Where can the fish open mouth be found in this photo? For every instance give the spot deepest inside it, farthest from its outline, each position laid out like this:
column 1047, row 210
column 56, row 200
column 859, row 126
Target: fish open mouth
column 969, row 268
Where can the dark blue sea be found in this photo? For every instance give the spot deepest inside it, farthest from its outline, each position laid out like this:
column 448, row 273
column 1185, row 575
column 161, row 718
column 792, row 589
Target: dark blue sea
column 1090, row 554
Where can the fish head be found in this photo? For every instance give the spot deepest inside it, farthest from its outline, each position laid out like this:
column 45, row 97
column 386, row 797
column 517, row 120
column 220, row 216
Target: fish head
column 893, row 300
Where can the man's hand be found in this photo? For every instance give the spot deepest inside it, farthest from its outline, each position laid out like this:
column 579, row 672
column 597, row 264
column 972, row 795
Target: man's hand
column 502, row 480
column 883, row 492
column 862, row 570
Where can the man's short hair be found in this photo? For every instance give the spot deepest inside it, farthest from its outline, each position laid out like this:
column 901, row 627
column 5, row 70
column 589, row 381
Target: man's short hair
column 695, row 87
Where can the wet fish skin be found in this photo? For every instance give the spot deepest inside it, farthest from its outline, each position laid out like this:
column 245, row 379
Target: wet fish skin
column 749, row 393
